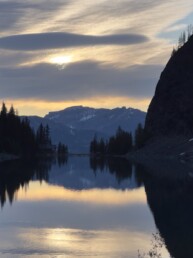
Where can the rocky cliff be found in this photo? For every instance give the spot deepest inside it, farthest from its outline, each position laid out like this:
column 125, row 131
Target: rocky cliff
column 171, row 109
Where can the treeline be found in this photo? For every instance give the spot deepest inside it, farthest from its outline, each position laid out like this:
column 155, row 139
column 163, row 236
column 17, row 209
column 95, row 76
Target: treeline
column 119, row 144
column 18, row 138
column 62, row 149
column 44, row 144
column 183, row 38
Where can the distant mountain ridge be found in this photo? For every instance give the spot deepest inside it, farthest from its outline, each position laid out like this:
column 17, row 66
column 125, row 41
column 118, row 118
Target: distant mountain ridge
column 77, row 125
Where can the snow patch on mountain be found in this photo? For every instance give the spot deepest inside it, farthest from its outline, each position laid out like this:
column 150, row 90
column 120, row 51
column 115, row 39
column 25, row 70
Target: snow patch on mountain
column 85, row 118
column 76, row 126
column 54, row 117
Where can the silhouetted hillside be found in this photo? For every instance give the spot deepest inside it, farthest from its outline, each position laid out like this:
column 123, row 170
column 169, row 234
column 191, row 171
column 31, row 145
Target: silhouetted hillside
column 171, row 109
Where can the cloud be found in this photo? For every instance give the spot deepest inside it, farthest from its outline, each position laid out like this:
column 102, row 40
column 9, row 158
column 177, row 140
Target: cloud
column 30, row 42
column 17, row 15
column 114, row 9
column 27, row 38
column 87, row 79
column 177, row 28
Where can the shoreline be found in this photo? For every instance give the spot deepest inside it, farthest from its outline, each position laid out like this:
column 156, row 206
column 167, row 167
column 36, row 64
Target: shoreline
column 7, row 157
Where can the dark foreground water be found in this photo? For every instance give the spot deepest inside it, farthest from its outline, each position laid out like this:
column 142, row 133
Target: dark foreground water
column 93, row 208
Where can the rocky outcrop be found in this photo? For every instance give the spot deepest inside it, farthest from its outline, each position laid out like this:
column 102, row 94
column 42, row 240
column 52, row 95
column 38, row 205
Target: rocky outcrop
column 171, row 109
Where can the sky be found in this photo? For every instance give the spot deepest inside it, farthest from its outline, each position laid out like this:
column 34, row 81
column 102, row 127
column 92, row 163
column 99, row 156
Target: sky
column 104, row 53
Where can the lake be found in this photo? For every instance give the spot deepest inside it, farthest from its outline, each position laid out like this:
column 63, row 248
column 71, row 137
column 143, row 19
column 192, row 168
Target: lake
column 81, row 207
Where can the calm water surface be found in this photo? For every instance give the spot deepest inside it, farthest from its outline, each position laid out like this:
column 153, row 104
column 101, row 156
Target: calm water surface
column 88, row 208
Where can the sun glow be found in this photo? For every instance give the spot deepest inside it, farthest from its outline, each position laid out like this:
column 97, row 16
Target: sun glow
column 42, row 107
column 61, row 60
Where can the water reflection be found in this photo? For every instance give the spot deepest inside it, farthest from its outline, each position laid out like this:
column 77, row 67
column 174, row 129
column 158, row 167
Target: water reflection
column 17, row 174
column 169, row 191
column 171, row 202
column 79, row 174
column 121, row 168
column 74, row 210
column 72, row 205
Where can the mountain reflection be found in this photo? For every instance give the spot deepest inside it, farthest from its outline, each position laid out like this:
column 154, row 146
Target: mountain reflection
column 78, row 174
column 169, row 198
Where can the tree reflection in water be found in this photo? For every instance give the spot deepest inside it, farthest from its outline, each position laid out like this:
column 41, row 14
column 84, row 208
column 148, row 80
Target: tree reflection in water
column 169, row 191
column 17, row 174
column 170, row 199
column 120, row 167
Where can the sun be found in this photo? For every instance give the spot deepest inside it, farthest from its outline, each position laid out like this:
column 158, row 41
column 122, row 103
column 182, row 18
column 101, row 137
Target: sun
column 61, row 60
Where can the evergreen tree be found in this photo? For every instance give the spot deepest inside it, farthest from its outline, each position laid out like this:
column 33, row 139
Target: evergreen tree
column 119, row 144
column 189, row 31
column 140, row 136
column 11, row 112
column 43, row 140
column 28, row 141
column 173, row 52
column 112, row 146
column 62, row 149
column 102, row 147
column 3, row 111
column 94, row 146
column 47, row 135
column 16, row 136
column 183, row 38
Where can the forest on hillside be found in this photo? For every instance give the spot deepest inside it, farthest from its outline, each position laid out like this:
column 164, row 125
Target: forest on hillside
column 119, row 144
column 18, row 138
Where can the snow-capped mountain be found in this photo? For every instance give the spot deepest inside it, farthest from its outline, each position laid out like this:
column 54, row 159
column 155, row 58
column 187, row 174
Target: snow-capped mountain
column 76, row 126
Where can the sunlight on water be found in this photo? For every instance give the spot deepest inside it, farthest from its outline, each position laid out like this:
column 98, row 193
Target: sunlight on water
column 72, row 243
column 72, row 211
column 44, row 191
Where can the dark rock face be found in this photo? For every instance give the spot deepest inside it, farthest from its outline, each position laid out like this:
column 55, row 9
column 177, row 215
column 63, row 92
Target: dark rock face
column 171, row 109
